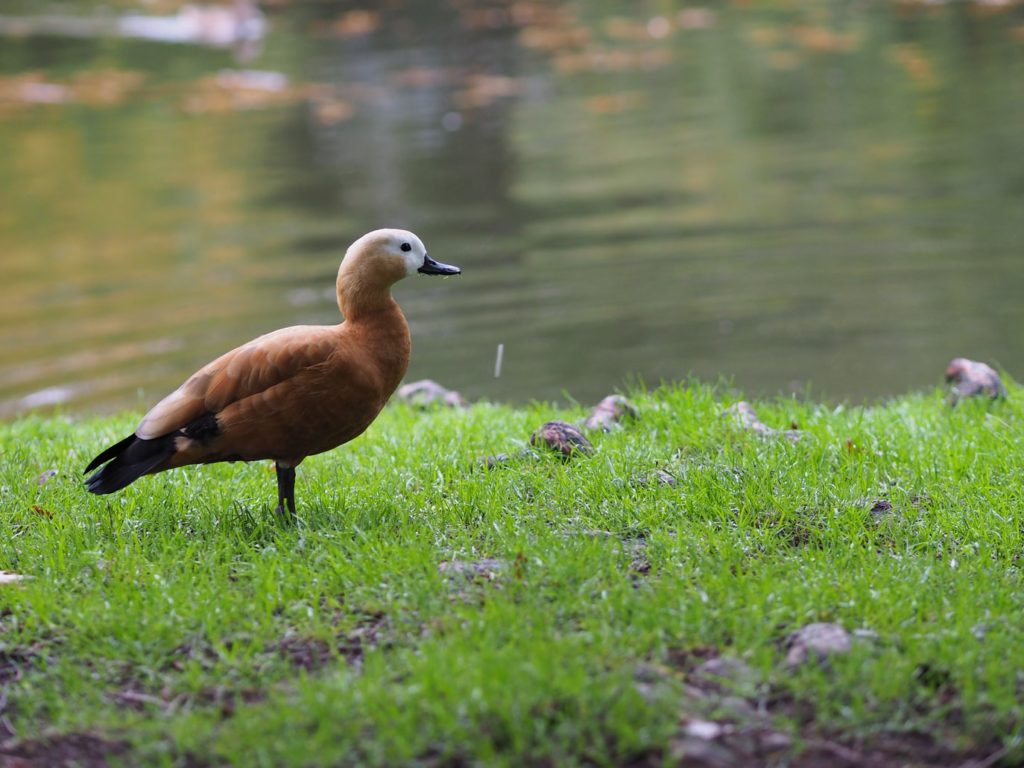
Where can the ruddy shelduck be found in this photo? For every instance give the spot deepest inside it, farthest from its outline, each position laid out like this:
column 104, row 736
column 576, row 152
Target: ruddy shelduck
column 292, row 393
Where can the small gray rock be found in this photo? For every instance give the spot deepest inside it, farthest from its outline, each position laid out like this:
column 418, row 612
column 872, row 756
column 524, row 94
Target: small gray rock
column 973, row 379
column 816, row 641
column 486, row 568
column 46, row 476
column 427, row 392
column 730, row 672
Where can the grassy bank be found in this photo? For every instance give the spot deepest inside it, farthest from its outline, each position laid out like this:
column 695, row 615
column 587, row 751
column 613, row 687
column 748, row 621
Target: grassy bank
column 428, row 611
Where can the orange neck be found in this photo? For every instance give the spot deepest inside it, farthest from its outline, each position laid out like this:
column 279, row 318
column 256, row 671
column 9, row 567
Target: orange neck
column 364, row 291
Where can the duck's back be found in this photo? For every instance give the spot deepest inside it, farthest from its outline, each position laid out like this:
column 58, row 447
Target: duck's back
column 286, row 395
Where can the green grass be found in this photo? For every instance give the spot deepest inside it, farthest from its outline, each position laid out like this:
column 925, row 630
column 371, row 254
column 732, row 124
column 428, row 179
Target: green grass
column 181, row 617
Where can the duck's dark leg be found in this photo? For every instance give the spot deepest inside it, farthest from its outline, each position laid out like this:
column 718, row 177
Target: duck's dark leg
column 285, row 490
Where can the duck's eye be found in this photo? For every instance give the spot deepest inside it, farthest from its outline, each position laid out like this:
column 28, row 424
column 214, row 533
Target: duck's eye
column 406, row 247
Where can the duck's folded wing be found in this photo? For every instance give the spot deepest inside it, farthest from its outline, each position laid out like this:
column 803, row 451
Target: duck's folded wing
column 243, row 372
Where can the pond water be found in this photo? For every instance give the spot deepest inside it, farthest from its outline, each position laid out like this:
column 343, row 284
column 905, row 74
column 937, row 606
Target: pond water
column 790, row 196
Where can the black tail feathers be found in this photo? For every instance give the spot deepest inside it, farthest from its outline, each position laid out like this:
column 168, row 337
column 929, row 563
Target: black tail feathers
column 127, row 461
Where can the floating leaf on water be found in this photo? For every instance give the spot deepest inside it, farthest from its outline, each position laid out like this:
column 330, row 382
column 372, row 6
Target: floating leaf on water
column 912, row 59
column 236, row 90
column 696, row 18
column 823, row 40
column 614, row 103
column 331, row 110
column 357, row 23
column 482, row 90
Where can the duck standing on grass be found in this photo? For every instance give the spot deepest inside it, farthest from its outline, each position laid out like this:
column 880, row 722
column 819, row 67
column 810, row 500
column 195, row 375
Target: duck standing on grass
column 292, row 393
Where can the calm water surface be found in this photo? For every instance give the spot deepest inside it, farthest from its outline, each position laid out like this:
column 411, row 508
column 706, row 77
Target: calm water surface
column 785, row 198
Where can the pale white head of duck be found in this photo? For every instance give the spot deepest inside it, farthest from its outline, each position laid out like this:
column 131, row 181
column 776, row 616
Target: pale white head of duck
column 378, row 260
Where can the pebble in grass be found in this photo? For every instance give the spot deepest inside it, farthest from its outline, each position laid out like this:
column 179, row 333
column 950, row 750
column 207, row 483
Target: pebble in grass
column 973, row 379
column 558, row 436
column 45, row 477
column 487, row 568
column 726, row 672
column 568, row 439
column 817, row 642
column 745, row 416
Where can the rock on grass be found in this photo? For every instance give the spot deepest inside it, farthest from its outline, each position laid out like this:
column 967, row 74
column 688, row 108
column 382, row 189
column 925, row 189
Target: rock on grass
column 973, row 379
column 816, row 641
column 563, row 438
column 610, row 413
column 487, row 568
column 427, row 392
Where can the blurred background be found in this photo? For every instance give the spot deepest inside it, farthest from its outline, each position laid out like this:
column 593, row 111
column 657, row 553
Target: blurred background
column 792, row 195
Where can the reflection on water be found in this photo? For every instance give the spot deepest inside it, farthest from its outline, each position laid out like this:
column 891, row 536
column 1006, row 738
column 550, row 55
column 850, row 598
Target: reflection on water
column 774, row 196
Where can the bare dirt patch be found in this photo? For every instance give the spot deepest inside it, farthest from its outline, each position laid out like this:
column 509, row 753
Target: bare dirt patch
column 732, row 717
column 68, row 750
column 314, row 653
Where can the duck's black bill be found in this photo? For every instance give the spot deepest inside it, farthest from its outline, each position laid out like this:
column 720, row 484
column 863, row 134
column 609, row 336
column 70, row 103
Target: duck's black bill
column 431, row 267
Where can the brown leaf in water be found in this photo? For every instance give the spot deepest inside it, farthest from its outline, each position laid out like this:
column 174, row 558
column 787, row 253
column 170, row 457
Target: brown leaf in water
column 331, row 110
column 783, row 60
column 236, row 90
column 31, row 88
column 555, row 38
column 915, row 62
column 613, row 103
column 482, row 90
column 823, row 40
column 106, row 87
column 356, row 23
column 593, row 57
column 696, row 18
